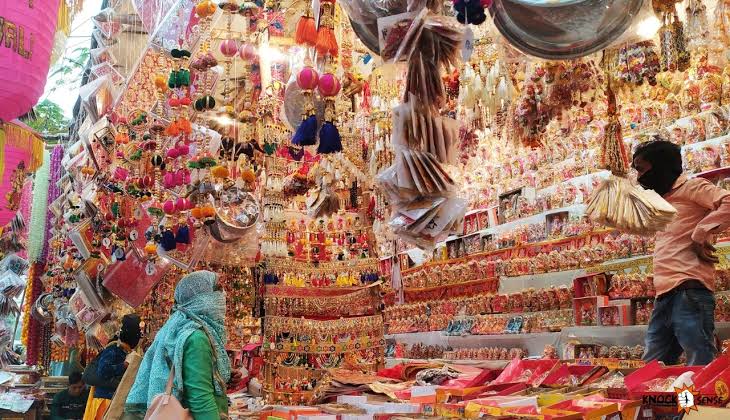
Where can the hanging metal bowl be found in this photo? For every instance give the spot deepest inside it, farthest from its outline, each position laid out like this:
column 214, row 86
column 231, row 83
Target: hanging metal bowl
column 563, row 29
column 236, row 213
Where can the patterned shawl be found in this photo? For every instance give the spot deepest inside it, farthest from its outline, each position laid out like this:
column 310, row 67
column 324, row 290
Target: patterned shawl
column 197, row 306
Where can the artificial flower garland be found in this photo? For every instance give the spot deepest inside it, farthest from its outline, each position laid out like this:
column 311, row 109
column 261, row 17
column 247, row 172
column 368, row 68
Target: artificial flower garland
column 37, row 228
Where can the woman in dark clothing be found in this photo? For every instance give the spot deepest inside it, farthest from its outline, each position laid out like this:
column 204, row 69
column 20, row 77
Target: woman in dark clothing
column 111, row 366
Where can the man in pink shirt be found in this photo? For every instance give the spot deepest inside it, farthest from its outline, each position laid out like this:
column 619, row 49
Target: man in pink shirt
column 684, row 257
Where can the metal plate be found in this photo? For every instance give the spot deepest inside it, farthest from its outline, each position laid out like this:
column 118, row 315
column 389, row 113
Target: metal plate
column 566, row 29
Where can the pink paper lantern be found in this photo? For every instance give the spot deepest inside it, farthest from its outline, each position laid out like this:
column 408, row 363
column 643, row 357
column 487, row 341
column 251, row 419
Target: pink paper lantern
column 229, row 47
column 329, row 85
column 247, row 52
column 307, row 78
column 24, row 64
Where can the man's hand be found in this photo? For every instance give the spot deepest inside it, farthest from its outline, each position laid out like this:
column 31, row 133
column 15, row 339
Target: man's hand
column 236, row 378
column 705, row 252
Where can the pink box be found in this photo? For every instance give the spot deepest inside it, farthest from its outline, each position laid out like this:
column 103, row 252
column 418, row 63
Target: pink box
column 512, row 374
column 585, row 309
column 659, row 401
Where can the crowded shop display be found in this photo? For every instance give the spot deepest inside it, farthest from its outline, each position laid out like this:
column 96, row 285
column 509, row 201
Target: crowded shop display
column 369, row 209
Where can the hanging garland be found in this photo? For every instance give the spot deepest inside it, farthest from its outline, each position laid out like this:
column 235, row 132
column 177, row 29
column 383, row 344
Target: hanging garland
column 54, row 191
column 37, row 227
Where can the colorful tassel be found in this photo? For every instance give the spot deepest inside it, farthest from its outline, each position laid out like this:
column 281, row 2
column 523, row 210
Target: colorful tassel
column 329, row 139
column 306, row 33
column 183, row 235
column 168, row 241
column 306, row 134
column 326, row 41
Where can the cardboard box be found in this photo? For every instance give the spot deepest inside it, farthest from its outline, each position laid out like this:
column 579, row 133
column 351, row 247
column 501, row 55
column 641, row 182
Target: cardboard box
column 573, row 375
column 591, row 285
column 629, row 408
column 590, row 410
column 513, row 373
column 450, row 410
column 585, row 309
column 544, row 414
column 659, row 402
column 713, row 382
column 619, row 313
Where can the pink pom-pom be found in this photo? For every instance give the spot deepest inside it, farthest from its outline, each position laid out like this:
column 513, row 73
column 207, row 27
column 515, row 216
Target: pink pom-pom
column 329, row 85
column 183, row 149
column 173, row 153
column 168, row 180
column 307, row 78
column 168, row 207
column 182, row 204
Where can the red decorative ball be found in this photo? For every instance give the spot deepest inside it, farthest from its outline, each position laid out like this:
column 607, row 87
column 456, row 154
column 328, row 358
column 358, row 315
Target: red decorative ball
column 229, row 47
column 329, row 85
column 307, row 78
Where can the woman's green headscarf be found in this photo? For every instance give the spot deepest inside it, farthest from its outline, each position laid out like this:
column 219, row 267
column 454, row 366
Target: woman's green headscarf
column 197, row 306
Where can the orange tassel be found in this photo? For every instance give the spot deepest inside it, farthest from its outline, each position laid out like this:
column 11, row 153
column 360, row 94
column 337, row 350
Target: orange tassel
column 172, row 130
column 184, row 126
column 326, row 42
column 306, row 33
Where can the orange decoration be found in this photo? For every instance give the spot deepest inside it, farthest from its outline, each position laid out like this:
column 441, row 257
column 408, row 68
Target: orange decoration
column 205, row 9
column 220, row 172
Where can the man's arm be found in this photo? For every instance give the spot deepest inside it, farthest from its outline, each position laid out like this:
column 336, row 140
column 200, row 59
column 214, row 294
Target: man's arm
column 56, row 406
column 715, row 199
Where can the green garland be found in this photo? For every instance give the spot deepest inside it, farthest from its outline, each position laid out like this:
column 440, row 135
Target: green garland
column 37, row 234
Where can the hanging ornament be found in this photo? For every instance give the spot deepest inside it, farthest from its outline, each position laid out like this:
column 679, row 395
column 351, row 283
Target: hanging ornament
column 329, row 136
column 306, row 32
column 613, row 150
column 326, row 41
column 674, row 55
column 306, row 134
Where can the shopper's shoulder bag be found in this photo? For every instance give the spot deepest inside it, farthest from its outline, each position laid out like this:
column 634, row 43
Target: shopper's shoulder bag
column 165, row 406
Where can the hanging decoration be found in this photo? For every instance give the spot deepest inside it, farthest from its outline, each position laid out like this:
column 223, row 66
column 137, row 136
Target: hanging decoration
column 27, row 33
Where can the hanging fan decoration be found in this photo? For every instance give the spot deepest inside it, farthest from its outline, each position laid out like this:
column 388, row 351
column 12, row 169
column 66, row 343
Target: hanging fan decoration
column 616, row 202
column 306, row 134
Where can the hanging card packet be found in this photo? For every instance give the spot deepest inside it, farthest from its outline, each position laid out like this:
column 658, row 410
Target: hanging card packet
column 132, row 279
column 392, row 31
column 83, row 312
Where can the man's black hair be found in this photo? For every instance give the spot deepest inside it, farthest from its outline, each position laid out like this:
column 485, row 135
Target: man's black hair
column 666, row 164
column 661, row 154
column 74, row 378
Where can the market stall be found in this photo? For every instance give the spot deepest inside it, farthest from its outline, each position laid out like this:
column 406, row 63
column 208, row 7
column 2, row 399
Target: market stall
column 414, row 208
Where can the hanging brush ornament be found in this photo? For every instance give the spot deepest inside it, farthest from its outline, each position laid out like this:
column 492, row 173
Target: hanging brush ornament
column 306, row 134
column 329, row 137
column 326, row 41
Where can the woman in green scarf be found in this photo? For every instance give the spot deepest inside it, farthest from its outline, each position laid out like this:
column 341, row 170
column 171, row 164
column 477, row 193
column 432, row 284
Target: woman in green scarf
column 193, row 341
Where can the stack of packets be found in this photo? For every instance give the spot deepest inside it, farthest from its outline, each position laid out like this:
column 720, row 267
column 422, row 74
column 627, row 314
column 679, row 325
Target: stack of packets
column 421, row 193
column 629, row 208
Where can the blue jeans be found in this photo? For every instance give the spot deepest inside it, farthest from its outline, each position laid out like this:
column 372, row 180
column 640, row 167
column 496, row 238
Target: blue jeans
column 682, row 320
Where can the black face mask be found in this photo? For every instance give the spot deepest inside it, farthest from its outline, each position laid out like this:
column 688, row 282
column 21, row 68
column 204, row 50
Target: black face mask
column 659, row 181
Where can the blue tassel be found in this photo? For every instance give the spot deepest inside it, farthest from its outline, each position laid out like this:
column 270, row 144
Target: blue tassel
column 183, row 235
column 306, row 134
column 329, row 139
column 168, row 241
